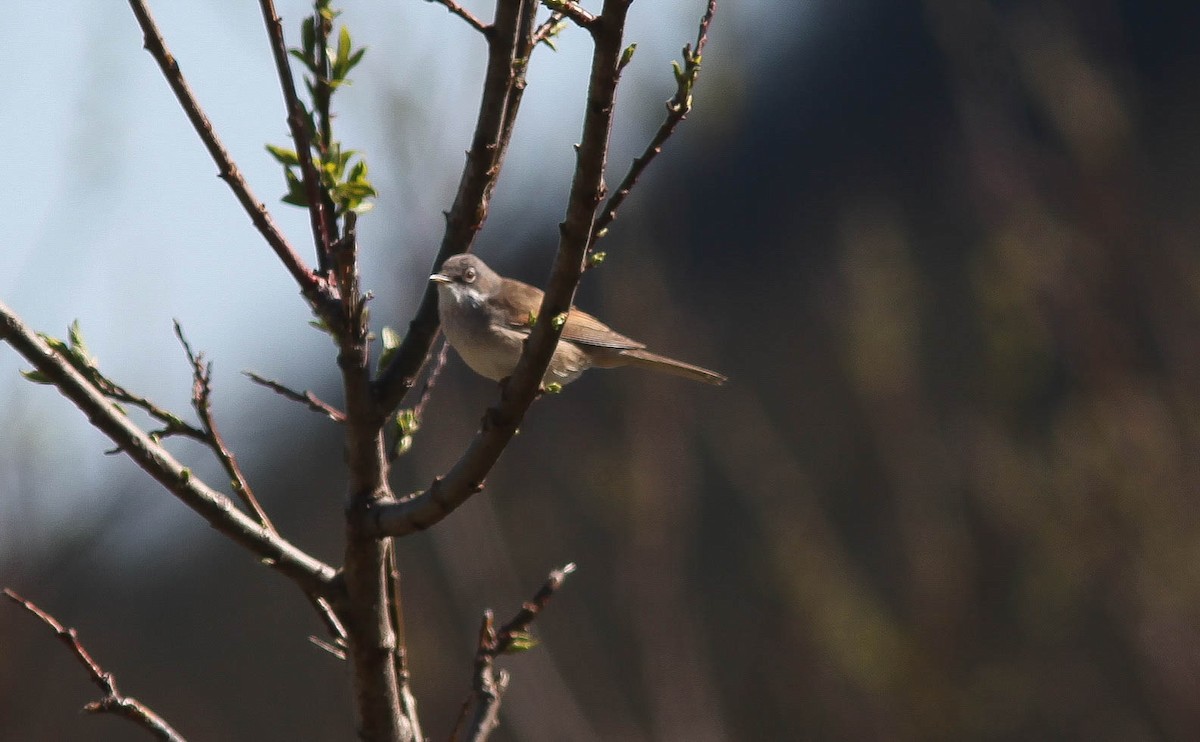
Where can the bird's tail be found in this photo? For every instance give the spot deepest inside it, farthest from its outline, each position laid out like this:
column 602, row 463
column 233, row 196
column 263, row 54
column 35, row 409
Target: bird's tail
column 646, row 359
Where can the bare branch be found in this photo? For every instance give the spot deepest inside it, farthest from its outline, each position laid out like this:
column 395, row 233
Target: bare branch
column 305, row 397
column 677, row 110
column 573, row 11
column 466, row 476
column 202, row 402
column 332, row 623
column 408, row 702
column 466, row 15
column 113, row 702
column 321, row 217
column 480, row 712
column 311, row 574
column 503, row 81
column 313, row 289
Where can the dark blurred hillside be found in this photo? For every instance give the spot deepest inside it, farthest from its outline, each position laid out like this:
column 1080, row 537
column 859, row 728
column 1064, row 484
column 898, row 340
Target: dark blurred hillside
column 948, row 253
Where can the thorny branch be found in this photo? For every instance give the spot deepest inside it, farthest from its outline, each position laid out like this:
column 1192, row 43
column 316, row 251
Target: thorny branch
column 113, row 702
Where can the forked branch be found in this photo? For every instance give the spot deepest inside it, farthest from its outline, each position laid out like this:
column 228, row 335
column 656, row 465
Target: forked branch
column 678, row 107
column 480, row 711
column 309, row 573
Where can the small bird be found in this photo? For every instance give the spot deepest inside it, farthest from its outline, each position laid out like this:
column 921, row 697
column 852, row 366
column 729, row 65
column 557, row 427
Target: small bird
column 487, row 317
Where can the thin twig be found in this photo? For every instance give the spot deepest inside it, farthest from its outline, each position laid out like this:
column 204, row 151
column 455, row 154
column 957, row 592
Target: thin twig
column 306, row 397
column 421, row 510
column 677, row 110
column 548, row 29
column 312, row 575
column 471, row 19
column 311, row 286
column 324, row 227
column 480, row 711
column 573, row 11
column 531, row 609
column 399, row 447
column 408, row 701
column 172, row 423
column 113, row 702
column 333, row 624
column 202, row 403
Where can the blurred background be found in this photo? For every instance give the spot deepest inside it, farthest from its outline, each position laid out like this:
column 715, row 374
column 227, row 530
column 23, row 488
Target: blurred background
column 947, row 250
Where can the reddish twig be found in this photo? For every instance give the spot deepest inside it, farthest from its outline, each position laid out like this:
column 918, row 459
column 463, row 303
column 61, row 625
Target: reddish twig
column 305, row 397
column 480, row 711
column 677, row 110
column 313, row 288
column 531, row 609
column 113, row 702
column 471, row 19
column 202, row 402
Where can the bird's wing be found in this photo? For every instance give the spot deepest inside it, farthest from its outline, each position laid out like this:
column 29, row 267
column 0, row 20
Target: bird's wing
column 581, row 327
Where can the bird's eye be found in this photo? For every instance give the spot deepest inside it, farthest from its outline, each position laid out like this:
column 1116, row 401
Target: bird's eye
column 469, row 275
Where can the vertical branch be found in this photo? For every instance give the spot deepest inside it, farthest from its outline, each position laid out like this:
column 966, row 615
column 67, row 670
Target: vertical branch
column 466, row 477
column 510, row 39
column 323, row 227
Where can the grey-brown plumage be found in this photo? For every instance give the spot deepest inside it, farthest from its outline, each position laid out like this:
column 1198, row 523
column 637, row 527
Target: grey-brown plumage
column 486, row 318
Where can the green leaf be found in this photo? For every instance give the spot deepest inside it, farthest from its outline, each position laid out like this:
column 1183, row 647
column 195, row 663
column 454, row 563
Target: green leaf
column 284, row 156
column 597, row 257
column 552, row 388
column 520, row 641
column 391, row 343
column 37, row 377
column 391, row 339
column 559, row 320
column 308, row 36
column 402, row 445
column 627, row 56
column 341, row 58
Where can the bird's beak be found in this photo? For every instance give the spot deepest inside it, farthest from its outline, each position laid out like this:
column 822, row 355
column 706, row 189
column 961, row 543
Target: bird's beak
column 441, row 278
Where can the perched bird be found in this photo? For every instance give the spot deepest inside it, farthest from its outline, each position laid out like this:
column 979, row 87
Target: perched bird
column 486, row 318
